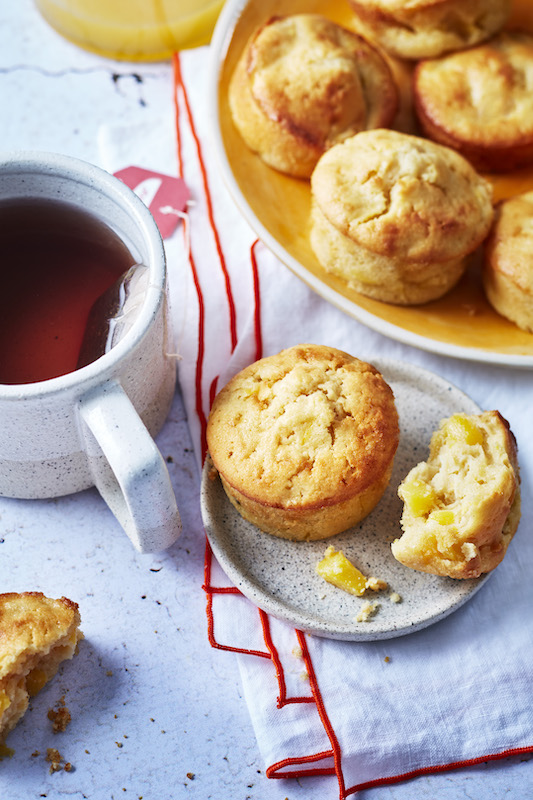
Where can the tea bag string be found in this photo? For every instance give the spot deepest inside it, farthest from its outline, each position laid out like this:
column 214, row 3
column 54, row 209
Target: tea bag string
column 184, row 216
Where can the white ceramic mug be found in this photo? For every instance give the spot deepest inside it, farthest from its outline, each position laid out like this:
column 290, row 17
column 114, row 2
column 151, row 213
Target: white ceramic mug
column 94, row 426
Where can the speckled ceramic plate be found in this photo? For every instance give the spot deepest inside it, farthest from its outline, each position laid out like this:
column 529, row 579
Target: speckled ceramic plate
column 460, row 324
column 279, row 576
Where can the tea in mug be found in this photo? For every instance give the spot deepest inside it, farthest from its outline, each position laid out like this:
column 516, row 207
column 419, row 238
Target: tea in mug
column 57, row 262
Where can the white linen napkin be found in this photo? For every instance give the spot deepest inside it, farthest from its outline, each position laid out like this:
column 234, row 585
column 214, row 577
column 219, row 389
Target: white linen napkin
column 458, row 692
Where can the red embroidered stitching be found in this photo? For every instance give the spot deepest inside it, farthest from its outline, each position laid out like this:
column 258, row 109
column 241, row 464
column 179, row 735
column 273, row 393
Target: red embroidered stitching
column 328, row 727
column 283, row 700
column 213, row 390
column 276, row 770
column 231, row 302
column 210, row 591
column 257, row 300
column 469, row 762
column 201, row 309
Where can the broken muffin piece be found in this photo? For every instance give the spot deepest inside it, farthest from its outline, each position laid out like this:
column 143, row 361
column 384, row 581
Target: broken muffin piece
column 37, row 633
column 462, row 505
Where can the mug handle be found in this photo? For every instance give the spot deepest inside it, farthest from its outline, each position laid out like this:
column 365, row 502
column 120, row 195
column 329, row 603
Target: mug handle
column 132, row 476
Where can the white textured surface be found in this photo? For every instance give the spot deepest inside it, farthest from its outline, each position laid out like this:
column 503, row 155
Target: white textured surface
column 145, row 666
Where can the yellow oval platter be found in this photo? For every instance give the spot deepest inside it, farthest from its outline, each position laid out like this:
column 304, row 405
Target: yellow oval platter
column 461, row 324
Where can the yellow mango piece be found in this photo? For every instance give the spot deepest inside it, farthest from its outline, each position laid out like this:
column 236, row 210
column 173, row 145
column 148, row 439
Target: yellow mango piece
column 463, row 429
column 443, row 516
column 250, row 391
column 5, row 702
column 419, row 497
column 305, row 433
column 35, row 681
column 336, row 569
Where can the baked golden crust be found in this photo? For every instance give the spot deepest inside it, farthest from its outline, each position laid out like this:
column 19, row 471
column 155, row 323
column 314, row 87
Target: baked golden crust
column 377, row 276
column 461, row 506
column 304, row 441
column 480, row 102
column 428, row 28
column 508, row 261
column 396, row 216
column 37, row 633
column 304, row 83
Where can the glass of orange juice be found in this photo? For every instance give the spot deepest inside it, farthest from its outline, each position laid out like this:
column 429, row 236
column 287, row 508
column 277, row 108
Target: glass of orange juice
column 133, row 30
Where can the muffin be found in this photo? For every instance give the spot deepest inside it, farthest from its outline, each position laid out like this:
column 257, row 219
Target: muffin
column 428, row 28
column 480, row 102
column 462, row 506
column 304, row 83
column 396, row 216
column 304, row 441
column 37, row 633
column 508, row 261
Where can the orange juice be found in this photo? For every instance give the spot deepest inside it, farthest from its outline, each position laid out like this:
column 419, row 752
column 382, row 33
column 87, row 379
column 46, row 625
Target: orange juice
column 136, row 30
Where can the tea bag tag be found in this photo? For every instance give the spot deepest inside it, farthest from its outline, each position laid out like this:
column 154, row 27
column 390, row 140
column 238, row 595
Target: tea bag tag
column 165, row 196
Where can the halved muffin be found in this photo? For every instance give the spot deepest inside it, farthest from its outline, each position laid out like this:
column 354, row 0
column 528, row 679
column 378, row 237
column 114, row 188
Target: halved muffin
column 304, row 441
column 37, row 633
column 304, row 83
column 462, row 505
column 480, row 102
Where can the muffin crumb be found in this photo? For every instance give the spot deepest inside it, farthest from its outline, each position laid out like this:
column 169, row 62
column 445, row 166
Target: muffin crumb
column 368, row 611
column 60, row 718
column 56, row 761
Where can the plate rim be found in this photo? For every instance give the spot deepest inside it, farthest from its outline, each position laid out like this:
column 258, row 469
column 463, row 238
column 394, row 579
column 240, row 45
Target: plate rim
column 220, row 42
column 269, row 604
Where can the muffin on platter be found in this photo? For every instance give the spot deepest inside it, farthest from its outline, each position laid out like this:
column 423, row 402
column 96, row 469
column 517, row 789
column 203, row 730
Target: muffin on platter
column 304, row 441
column 416, row 29
column 480, row 101
column 508, row 261
column 304, row 83
column 396, row 216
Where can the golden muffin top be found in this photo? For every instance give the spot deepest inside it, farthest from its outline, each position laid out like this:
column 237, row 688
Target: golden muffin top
column 403, row 197
column 31, row 623
column 483, row 95
column 428, row 28
column 308, row 427
column 308, row 73
column 304, row 83
column 410, row 5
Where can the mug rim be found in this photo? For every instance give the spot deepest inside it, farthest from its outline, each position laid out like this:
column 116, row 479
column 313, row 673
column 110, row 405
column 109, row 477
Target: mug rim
column 72, row 168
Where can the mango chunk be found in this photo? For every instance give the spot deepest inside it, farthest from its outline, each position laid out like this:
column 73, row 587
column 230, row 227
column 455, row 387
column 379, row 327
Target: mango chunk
column 419, row 496
column 35, row 681
column 5, row 702
column 463, row 429
column 443, row 516
column 337, row 570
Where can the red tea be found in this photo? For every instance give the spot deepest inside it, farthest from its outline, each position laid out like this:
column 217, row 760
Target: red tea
column 57, row 260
